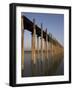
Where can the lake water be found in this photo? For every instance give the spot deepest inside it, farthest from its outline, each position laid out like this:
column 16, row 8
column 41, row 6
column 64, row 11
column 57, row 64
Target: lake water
column 52, row 66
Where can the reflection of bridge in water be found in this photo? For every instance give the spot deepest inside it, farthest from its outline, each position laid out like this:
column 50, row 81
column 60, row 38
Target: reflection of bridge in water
column 49, row 46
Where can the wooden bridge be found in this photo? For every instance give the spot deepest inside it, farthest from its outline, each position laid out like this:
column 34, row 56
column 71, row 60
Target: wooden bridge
column 46, row 40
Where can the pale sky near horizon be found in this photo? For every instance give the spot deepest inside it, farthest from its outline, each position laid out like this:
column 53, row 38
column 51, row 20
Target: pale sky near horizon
column 53, row 22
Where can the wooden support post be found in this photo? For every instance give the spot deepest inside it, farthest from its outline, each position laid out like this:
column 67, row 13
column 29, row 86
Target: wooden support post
column 33, row 43
column 41, row 42
column 46, row 45
column 37, row 47
column 45, row 48
column 22, row 42
column 51, row 48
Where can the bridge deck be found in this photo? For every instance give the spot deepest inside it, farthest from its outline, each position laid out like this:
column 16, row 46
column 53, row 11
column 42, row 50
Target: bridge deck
column 29, row 26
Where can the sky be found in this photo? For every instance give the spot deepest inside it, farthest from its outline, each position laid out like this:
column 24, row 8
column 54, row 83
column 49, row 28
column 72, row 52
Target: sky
column 53, row 22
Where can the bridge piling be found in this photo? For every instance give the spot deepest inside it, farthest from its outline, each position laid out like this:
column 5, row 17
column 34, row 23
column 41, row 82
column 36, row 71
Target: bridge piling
column 37, row 47
column 46, row 45
column 41, row 42
column 33, row 43
column 22, row 43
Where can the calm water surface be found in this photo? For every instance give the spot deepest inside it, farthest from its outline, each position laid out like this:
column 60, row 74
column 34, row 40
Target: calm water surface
column 52, row 66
